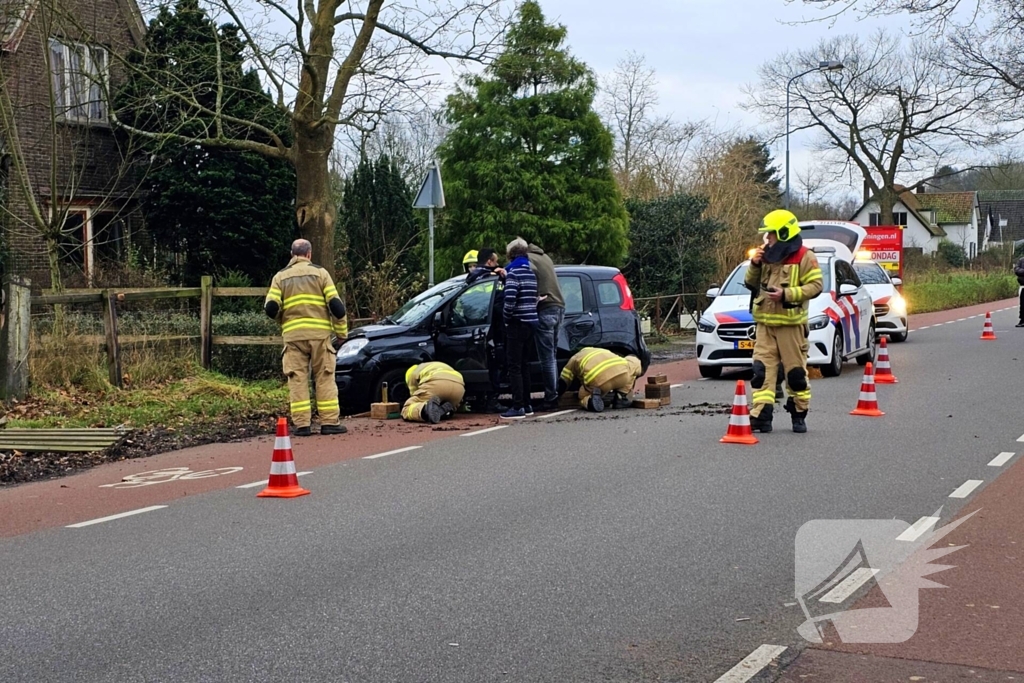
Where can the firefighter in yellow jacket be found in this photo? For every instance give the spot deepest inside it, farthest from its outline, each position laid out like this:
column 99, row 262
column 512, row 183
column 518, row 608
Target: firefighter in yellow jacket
column 304, row 300
column 783, row 276
column 436, row 390
column 600, row 374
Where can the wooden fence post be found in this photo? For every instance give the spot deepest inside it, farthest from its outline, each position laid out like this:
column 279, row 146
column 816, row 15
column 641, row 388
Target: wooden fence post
column 206, row 321
column 113, row 341
column 14, row 337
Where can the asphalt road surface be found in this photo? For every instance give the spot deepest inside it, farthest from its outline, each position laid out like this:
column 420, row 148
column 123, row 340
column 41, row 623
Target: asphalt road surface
column 628, row 546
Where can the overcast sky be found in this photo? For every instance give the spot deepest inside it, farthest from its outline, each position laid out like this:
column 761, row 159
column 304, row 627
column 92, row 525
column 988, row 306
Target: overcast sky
column 704, row 51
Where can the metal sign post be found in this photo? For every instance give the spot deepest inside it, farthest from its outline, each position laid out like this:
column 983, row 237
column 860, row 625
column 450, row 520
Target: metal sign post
column 430, row 197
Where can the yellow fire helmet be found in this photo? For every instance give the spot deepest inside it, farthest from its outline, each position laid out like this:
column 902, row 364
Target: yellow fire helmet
column 470, row 258
column 408, row 374
column 783, row 223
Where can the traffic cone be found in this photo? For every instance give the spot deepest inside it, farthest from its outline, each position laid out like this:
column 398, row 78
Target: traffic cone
column 739, row 422
column 883, row 373
column 283, row 483
column 867, row 405
column 987, row 333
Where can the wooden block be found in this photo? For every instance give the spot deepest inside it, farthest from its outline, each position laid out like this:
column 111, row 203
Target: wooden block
column 666, row 400
column 569, row 399
column 657, row 379
column 657, row 391
column 646, row 403
column 383, row 411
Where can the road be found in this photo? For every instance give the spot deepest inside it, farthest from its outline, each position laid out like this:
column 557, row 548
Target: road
column 619, row 547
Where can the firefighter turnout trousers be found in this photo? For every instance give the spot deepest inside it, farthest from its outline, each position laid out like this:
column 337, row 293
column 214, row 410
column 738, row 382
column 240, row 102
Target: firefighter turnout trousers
column 785, row 344
column 622, row 383
column 298, row 359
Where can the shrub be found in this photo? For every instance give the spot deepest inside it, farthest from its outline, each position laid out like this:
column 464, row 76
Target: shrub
column 941, row 291
column 952, row 254
column 248, row 362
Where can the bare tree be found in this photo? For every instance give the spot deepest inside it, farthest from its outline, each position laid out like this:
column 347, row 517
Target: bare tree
column 650, row 148
column 893, row 111
column 339, row 63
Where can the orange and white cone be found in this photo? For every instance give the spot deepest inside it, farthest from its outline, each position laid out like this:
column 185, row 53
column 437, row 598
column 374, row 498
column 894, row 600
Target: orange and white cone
column 867, row 405
column 739, row 422
column 284, row 482
column 883, row 373
column 987, row 332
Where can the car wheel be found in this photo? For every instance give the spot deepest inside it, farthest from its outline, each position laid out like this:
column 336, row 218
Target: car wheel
column 835, row 368
column 398, row 392
column 896, row 337
column 865, row 358
column 710, row 371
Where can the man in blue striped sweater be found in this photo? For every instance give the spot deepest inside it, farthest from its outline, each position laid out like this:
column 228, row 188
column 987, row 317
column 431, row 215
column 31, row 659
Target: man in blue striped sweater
column 520, row 314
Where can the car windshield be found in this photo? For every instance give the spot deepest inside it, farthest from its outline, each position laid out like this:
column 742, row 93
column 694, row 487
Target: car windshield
column 734, row 285
column 871, row 273
column 419, row 307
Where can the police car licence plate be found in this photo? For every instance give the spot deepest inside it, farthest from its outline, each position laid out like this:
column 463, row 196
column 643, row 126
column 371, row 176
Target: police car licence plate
column 746, row 344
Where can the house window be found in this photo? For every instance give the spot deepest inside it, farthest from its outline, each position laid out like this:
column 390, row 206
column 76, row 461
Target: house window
column 79, row 73
column 898, row 218
column 89, row 237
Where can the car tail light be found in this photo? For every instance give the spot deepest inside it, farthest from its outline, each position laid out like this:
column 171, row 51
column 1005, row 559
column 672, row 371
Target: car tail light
column 627, row 296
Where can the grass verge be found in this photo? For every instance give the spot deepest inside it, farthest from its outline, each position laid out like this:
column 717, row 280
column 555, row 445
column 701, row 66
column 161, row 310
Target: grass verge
column 934, row 291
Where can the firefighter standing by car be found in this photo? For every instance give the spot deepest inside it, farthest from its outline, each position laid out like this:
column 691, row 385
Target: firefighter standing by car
column 601, row 376
column 436, row 391
column 303, row 299
column 785, row 275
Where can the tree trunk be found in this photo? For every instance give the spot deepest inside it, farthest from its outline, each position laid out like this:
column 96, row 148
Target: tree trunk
column 887, row 199
column 314, row 209
column 56, row 284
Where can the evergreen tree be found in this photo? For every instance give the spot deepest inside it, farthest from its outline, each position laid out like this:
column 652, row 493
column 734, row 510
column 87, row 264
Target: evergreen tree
column 209, row 210
column 759, row 158
column 528, row 155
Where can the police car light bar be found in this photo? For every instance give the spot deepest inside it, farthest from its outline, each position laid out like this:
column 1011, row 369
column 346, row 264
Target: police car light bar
column 823, row 250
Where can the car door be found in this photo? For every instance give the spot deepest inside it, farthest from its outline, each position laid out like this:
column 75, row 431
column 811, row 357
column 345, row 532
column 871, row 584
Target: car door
column 858, row 307
column 581, row 325
column 462, row 336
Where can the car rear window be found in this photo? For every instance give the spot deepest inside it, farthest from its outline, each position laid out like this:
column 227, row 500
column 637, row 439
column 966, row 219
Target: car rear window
column 572, row 292
column 608, row 293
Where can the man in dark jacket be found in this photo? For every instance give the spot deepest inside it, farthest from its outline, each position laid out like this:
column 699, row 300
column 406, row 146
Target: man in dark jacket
column 550, row 314
column 1018, row 270
column 520, row 314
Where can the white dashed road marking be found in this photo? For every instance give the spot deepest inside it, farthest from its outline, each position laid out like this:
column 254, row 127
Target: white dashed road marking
column 918, row 529
column 752, row 664
column 849, row 585
column 266, row 481
column 1001, row 459
column 397, row 450
column 484, row 431
column 675, row 386
column 1021, row 439
column 560, row 412
column 966, row 488
column 117, row 516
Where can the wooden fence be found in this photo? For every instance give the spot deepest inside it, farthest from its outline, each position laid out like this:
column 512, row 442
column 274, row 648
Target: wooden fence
column 15, row 331
column 662, row 308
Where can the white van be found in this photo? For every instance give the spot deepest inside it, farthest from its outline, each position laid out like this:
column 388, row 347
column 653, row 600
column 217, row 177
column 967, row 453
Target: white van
column 841, row 318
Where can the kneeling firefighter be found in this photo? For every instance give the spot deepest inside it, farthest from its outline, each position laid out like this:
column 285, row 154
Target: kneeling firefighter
column 600, row 374
column 436, row 390
column 785, row 275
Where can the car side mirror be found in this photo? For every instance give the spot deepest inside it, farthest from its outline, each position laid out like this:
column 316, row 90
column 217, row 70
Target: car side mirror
column 439, row 320
column 848, row 289
column 898, row 281
column 713, row 292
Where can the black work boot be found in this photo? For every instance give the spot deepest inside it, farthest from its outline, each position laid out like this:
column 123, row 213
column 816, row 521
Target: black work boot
column 447, row 410
column 799, row 425
column 432, row 412
column 763, row 422
column 333, row 429
column 596, row 402
column 303, row 431
column 621, row 400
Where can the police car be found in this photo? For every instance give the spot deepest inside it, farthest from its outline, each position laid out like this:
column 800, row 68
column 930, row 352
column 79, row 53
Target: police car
column 890, row 306
column 841, row 319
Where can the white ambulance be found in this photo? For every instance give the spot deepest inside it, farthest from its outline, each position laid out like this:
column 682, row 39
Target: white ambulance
column 841, row 318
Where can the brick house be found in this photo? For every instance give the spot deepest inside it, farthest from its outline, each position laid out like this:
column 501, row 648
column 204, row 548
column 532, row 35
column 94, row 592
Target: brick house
column 55, row 64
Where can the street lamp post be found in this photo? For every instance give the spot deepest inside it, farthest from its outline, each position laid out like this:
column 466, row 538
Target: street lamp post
column 829, row 65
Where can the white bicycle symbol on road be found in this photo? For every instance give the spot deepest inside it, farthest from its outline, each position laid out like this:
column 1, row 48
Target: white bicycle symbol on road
column 133, row 481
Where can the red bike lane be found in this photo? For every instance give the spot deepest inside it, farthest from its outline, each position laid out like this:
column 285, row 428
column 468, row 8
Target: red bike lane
column 89, row 495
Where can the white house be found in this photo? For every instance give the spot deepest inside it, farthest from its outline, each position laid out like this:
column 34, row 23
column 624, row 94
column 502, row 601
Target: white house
column 930, row 217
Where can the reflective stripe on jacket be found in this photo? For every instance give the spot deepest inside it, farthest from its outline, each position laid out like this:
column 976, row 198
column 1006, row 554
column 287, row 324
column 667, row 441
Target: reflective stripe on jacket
column 302, row 291
column 799, row 278
column 592, row 367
